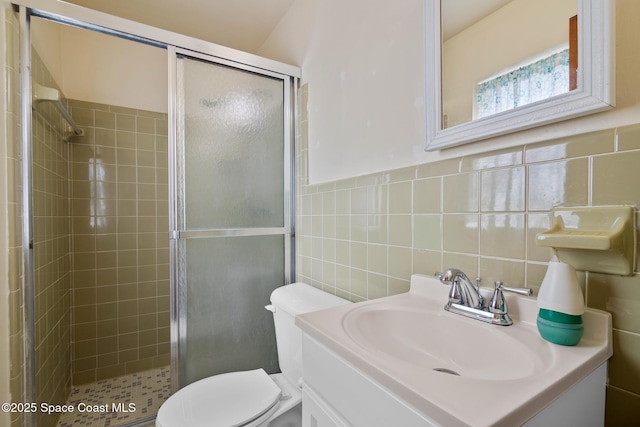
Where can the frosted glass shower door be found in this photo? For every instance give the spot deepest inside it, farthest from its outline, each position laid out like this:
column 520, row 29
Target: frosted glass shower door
column 232, row 214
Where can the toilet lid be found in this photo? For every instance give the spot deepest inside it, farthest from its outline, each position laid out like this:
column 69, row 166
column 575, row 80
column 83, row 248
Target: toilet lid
column 232, row 400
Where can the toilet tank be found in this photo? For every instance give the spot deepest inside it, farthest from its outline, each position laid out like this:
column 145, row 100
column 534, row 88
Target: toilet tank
column 287, row 302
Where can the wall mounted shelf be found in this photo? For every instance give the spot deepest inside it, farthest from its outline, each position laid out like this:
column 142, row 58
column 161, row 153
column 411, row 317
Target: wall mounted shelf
column 600, row 239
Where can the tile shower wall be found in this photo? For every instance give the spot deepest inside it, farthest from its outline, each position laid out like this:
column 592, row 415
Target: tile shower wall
column 54, row 297
column 51, row 256
column 13, row 157
column 120, row 256
column 362, row 238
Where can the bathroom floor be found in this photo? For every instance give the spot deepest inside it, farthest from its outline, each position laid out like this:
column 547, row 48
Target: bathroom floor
column 110, row 403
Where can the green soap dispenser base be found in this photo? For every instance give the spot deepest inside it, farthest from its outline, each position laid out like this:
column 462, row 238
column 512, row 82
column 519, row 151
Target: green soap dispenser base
column 559, row 332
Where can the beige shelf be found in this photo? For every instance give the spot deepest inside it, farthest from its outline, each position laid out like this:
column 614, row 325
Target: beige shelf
column 598, row 239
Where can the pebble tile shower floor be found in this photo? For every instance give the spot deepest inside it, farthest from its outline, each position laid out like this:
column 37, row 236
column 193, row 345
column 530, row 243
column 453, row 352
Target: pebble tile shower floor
column 147, row 390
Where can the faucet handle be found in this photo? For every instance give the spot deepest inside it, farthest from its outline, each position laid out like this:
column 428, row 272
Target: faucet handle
column 497, row 304
column 520, row 291
column 455, row 294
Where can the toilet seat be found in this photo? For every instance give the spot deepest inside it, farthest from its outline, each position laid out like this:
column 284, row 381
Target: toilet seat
column 231, row 400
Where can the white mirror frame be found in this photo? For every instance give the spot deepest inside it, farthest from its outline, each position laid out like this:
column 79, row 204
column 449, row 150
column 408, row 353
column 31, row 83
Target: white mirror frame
column 595, row 91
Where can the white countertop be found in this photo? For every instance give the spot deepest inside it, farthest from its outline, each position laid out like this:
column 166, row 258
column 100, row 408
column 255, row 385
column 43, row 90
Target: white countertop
column 468, row 400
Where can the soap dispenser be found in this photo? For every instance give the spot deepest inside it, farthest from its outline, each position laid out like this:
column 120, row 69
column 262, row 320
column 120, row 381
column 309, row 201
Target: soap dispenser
column 561, row 305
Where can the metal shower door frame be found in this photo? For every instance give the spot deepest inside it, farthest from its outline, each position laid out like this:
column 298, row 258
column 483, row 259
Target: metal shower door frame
column 80, row 17
column 177, row 234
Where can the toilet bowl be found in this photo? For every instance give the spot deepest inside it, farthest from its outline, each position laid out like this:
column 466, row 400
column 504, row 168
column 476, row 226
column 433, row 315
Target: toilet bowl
column 254, row 398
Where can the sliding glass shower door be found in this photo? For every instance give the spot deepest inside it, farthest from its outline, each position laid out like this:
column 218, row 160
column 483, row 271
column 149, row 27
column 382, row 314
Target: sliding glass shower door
column 231, row 227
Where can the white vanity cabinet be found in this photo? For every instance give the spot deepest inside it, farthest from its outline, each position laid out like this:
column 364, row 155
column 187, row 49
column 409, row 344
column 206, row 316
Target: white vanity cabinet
column 404, row 361
column 336, row 394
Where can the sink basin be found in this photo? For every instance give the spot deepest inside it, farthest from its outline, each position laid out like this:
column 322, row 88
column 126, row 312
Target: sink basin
column 426, row 338
column 433, row 359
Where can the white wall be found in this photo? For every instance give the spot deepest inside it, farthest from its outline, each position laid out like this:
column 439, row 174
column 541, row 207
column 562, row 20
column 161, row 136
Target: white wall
column 364, row 62
column 94, row 67
column 45, row 39
column 111, row 70
column 330, row 40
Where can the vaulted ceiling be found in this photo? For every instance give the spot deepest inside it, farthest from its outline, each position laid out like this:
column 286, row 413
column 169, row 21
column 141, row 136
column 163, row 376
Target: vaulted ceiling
column 246, row 24
column 239, row 24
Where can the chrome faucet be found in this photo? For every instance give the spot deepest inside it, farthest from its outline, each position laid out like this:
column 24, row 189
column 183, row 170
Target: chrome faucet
column 465, row 298
column 462, row 290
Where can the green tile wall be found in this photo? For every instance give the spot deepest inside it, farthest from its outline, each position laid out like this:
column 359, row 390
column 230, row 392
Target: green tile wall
column 13, row 167
column 362, row 238
column 120, row 254
column 51, row 255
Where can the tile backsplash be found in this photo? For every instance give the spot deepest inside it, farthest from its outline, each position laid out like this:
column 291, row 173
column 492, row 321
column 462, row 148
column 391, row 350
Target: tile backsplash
column 362, row 238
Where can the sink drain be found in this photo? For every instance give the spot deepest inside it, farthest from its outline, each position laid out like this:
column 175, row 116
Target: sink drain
column 446, row 371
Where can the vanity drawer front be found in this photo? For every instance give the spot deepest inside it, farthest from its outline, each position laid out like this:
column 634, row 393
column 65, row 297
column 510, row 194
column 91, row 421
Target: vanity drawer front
column 317, row 413
column 352, row 397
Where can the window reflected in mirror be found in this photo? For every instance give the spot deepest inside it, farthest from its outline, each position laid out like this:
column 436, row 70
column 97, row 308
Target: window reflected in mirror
column 498, row 55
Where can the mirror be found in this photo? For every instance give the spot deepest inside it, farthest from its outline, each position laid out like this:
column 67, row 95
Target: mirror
column 501, row 54
column 500, row 66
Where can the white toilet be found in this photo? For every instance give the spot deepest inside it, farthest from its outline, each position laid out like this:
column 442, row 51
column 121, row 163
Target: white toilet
column 253, row 398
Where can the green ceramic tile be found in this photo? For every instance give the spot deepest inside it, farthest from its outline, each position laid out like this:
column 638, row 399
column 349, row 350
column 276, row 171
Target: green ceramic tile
column 569, row 147
column 377, row 198
column 400, row 197
column 145, row 125
column 628, row 137
column 618, row 295
column 427, row 195
column 615, row 179
column 440, row 168
column 510, row 272
column 460, row 233
column 494, row 159
column 377, row 230
column 624, row 365
column 400, row 230
column 466, row 263
column 562, row 183
column 622, row 407
column 534, row 276
column 460, row 193
column 404, row 174
column 377, row 286
column 399, row 262
column 358, row 282
column 503, row 190
column 502, row 235
column 105, row 120
column 427, row 231
column 377, row 258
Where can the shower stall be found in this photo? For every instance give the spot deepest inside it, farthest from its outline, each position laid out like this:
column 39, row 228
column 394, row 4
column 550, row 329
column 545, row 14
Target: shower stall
column 155, row 236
